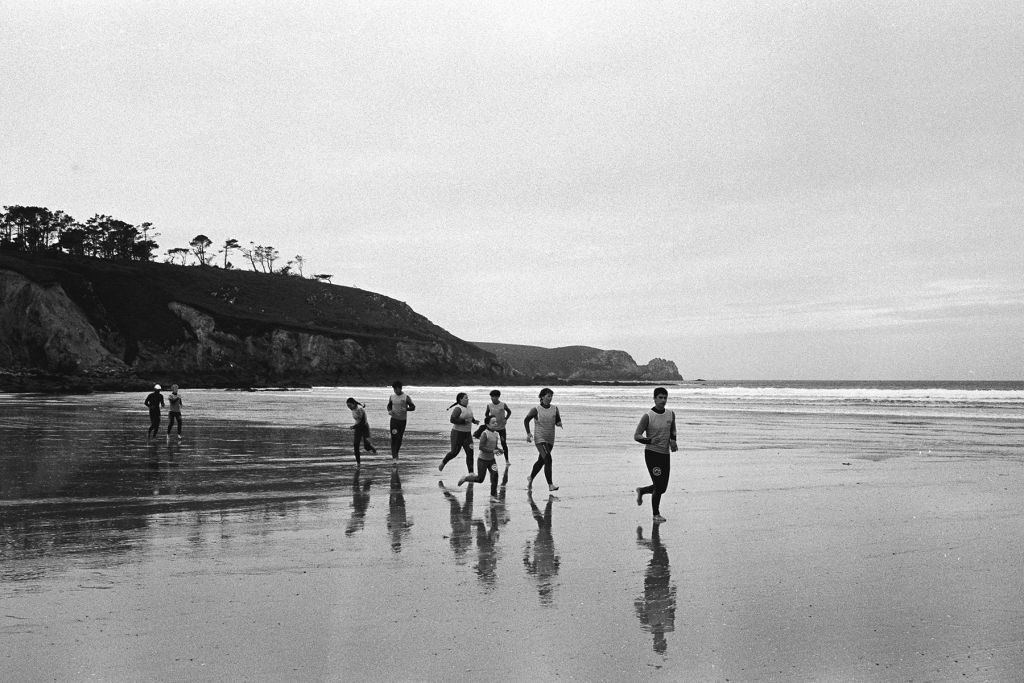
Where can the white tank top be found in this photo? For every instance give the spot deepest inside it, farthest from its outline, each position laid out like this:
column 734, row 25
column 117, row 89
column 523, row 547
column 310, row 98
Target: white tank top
column 659, row 430
column 545, row 430
column 399, row 409
column 497, row 410
column 466, row 414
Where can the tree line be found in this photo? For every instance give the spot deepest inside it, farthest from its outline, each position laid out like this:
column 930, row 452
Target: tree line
column 36, row 229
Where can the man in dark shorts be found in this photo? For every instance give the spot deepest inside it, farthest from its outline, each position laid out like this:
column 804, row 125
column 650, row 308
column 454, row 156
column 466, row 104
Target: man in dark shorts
column 154, row 402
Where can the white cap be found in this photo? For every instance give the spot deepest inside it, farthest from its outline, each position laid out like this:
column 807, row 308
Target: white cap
column 157, row 387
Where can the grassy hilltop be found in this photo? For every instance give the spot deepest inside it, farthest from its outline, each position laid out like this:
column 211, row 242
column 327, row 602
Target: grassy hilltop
column 210, row 326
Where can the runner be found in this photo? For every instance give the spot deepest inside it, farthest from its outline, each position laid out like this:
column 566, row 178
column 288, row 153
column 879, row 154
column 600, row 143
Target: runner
column 489, row 445
column 462, row 431
column 155, row 401
column 547, row 417
column 360, row 428
column 499, row 409
column 657, row 431
column 174, row 412
column 399, row 405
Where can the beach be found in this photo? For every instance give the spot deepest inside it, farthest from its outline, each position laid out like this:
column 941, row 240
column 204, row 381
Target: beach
column 804, row 542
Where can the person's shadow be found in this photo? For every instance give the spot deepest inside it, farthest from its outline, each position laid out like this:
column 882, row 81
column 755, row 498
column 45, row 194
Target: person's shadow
column 398, row 520
column 461, row 518
column 657, row 608
column 539, row 557
column 360, row 502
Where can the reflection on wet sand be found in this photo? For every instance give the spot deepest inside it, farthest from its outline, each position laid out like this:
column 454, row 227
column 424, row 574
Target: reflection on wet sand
column 398, row 519
column 539, row 557
column 460, row 516
column 360, row 503
column 657, row 608
column 485, row 531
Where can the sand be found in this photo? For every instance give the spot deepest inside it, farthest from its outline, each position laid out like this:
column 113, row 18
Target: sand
column 804, row 567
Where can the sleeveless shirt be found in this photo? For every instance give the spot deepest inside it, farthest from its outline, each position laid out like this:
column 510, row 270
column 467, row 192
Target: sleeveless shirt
column 545, row 429
column 399, row 408
column 497, row 410
column 659, row 430
column 466, row 414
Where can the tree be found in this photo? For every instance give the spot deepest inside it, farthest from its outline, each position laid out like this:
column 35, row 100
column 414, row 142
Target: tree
column 229, row 246
column 251, row 252
column 178, row 254
column 32, row 228
column 200, row 244
column 299, row 261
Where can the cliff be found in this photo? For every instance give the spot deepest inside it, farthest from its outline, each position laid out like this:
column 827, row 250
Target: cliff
column 580, row 363
column 77, row 322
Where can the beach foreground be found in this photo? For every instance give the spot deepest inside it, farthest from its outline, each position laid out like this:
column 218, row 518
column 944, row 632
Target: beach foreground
column 252, row 553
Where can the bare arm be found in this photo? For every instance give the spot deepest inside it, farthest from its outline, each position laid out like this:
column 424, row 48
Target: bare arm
column 641, row 430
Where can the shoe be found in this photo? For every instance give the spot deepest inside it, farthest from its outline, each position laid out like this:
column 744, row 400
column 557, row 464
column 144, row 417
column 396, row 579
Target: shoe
column 462, row 480
column 639, row 497
column 552, row 487
column 658, row 519
column 440, row 468
column 529, row 483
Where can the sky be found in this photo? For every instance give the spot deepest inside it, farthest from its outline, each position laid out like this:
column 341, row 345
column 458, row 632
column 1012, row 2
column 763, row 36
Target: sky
column 754, row 190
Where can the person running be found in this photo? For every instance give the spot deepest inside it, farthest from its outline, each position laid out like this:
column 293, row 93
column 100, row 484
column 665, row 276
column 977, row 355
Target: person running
column 462, row 431
column 399, row 405
column 155, row 401
column 174, row 412
column 490, row 443
column 547, row 417
column 360, row 428
column 657, row 431
column 499, row 409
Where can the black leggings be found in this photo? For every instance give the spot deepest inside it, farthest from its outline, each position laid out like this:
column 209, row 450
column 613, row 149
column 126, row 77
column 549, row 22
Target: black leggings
column 171, row 419
column 397, row 432
column 154, row 423
column 658, row 466
column 463, row 441
column 362, row 435
column 482, row 468
column 543, row 461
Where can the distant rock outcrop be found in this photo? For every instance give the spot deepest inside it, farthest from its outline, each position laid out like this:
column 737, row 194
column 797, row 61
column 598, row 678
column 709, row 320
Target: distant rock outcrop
column 117, row 322
column 580, row 363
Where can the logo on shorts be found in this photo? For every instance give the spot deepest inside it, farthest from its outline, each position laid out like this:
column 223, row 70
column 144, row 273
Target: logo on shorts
column 656, row 471
column 394, row 431
column 494, row 467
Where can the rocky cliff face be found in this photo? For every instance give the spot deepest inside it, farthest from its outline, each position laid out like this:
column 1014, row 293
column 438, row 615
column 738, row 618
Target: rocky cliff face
column 40, row 327
column 581, row 363
column 203, row 327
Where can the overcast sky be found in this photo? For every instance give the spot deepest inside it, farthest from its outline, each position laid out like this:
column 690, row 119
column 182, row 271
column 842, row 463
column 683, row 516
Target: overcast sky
column 796, row 190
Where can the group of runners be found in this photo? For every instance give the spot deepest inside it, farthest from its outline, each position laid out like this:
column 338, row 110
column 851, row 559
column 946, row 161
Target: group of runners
column 155, row 402
column 656, row 431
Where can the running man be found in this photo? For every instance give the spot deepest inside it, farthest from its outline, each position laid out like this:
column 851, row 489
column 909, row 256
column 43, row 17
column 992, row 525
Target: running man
column 657, row 431
column 547, row 417
column 399, row 405
column 174, row 412
column 155, row 401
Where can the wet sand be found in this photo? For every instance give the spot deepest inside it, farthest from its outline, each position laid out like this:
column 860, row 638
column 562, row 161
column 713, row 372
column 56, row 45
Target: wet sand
column 263, row 554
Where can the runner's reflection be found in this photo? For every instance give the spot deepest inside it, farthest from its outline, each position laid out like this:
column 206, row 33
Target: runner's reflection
column 539, row 557
column 360, row 502
column 398, row 520
column 657, row 608
column 461, row 518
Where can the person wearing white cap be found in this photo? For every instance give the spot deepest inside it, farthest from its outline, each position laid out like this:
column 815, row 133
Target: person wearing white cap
column 155, row 401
